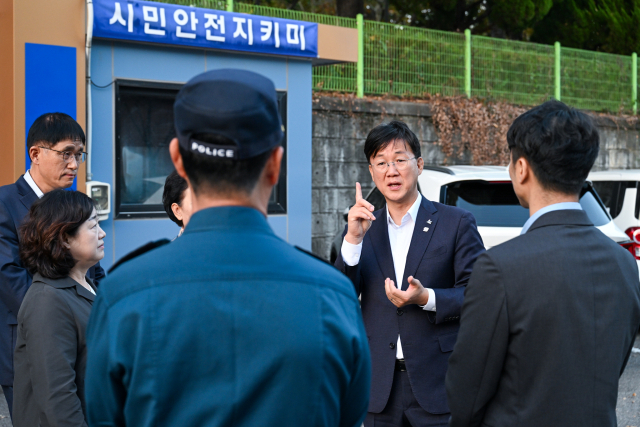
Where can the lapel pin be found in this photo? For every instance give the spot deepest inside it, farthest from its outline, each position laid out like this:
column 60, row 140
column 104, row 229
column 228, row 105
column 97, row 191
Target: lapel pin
column 429, row 222
column 425, row 229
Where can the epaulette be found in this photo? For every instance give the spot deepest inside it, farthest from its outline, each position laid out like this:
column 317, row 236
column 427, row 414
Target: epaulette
column 137, row 252
column 311, row 254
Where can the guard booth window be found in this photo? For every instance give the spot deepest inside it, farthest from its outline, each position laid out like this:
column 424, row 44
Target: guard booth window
column 144, row 129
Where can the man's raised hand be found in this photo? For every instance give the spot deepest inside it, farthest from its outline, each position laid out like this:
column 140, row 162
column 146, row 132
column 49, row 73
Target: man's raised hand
column 359, row 218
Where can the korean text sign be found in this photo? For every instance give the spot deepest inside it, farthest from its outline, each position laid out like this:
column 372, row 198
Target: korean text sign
column 148, row 21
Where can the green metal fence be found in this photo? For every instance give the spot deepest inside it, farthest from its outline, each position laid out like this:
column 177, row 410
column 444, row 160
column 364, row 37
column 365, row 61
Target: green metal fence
column 209, row 4
column 401, row 60
column 518, row 72
column 294, row 14
column 339, row 77
column 407, row 61
column 596, row 81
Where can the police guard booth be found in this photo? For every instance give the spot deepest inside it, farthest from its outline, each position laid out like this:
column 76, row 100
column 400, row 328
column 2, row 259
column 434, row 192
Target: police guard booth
column 116, row 66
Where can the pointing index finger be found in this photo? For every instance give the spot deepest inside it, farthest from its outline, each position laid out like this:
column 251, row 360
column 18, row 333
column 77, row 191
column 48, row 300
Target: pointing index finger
column 358, row 192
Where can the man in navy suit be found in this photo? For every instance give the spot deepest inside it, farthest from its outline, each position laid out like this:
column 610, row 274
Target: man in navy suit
column 55, row 142
column 410, row 263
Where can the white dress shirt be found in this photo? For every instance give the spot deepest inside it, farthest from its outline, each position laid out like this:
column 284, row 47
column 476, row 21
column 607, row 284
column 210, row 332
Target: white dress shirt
column 400, row 240
column 33, row 185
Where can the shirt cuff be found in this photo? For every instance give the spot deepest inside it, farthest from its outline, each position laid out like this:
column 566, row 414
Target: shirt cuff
column 351, row 253
column 431, row 304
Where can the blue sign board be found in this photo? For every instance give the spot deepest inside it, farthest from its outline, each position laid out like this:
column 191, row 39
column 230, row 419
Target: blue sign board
column 147, row 21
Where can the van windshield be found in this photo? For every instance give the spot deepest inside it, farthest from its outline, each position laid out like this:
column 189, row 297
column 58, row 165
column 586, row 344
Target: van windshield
column 494, row 204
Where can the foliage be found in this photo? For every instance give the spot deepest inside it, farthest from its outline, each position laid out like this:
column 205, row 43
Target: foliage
column 601, row 25
column 504, row 18
column 471, row 124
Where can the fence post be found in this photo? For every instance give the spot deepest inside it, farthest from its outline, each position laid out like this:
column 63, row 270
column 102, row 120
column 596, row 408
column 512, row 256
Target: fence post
column 467, row 62
column 360, row 66
column 634, row 82
column 557, row 70
column 229, row 5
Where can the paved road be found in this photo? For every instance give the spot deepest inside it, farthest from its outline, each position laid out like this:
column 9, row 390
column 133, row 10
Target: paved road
column 628, row 410
column 5, row 421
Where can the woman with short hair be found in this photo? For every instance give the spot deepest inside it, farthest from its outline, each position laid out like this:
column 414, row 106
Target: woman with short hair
column 59, row 241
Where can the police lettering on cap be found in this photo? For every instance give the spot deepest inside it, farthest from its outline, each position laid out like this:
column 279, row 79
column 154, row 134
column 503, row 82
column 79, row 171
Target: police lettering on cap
column 234, row 105
column 222, row 151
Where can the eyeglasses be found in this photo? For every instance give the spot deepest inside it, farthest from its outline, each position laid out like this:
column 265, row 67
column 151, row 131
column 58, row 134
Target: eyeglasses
column 400, row 164
column 66, row 155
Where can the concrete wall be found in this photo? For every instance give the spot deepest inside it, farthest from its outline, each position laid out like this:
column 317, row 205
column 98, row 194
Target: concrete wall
column 341, row 125
column 619, row 145
column 51, row 26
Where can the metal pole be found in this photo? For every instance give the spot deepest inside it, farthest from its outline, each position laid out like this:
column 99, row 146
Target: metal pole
column 360, row 67
column 88, row 126
column 634, row 82
column 557, row 70
column 229, row 5
column 467, row 62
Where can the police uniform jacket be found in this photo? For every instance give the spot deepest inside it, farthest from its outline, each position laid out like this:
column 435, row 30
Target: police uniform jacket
column 227, row 326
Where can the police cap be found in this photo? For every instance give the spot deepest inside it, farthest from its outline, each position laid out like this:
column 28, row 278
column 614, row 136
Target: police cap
column 239, row 105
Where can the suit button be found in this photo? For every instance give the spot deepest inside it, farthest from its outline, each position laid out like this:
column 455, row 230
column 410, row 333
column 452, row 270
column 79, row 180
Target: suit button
column 400, row 312
column 392, row 346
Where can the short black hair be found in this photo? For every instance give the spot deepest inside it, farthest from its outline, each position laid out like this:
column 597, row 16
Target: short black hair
column 51, row 220
column 174, row 191
column 383, row 135
column 560, row 143
column 221, row 175
column 51, row 128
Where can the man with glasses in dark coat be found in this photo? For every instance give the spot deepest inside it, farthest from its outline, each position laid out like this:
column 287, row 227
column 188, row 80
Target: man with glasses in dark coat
column 55, row 145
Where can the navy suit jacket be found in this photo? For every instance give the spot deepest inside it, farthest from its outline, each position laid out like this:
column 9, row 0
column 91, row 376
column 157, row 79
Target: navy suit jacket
column 15, row 201
column 442, row 259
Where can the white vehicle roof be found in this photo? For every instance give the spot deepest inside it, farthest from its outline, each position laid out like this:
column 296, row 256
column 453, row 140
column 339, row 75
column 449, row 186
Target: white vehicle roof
column 616, row 175
column 434, row 177
column 445, row 174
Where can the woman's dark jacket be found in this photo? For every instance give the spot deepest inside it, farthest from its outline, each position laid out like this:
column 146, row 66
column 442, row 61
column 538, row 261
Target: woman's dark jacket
column 51, row 354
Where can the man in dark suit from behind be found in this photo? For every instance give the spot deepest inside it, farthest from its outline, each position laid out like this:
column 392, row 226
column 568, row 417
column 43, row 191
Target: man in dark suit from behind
column 549, row 317
column 55, row 145
column 409, row 262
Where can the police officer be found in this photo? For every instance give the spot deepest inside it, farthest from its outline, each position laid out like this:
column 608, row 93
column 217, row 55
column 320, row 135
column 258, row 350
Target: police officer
column 228, row 325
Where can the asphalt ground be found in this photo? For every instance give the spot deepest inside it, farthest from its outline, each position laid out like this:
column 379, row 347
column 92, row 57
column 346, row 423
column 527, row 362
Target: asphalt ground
column 627, row 410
